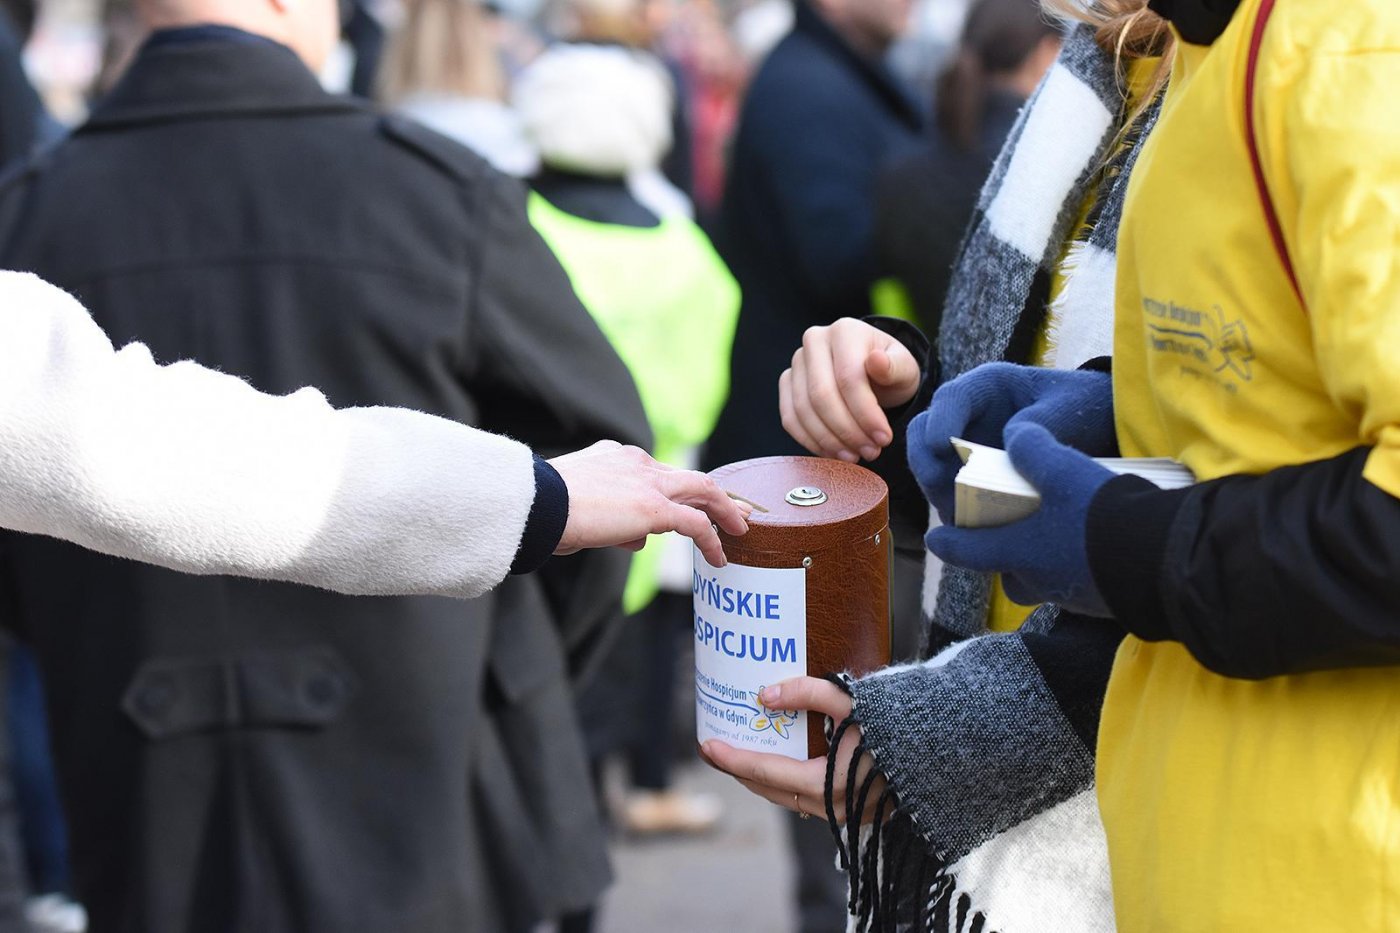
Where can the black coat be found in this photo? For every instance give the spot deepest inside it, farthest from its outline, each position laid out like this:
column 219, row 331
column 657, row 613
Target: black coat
column 924, row 201
column 22, row 117
column 268, row 758
column 818, row 123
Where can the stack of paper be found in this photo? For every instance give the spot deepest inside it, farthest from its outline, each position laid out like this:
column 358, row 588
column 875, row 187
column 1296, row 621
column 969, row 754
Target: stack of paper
column 989, row 492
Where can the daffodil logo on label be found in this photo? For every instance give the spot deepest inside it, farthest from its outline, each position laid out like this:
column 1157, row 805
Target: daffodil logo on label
column 780, row 721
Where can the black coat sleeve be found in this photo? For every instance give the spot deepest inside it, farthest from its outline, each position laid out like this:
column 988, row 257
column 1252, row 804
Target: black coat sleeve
column 541, row 369
column 821, row 191
column 20, row 109
column 908, row 507
column 1294, row 570
column 543, row 373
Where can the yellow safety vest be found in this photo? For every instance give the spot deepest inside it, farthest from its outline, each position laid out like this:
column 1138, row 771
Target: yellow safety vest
column 669, row 305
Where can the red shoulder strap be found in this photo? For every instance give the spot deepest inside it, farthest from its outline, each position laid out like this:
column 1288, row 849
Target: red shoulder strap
column 1256, row 40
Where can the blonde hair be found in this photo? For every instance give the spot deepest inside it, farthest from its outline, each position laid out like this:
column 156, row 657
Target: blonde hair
column 443, row 47
column 1127, row 30
column 606, row 7
column 609, row 21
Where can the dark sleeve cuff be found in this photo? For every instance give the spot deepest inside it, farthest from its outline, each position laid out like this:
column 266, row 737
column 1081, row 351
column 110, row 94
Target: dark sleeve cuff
column 908, row 507
column 1130, row 520
column 545, row 525
column 917, row 344
column 1075, row 658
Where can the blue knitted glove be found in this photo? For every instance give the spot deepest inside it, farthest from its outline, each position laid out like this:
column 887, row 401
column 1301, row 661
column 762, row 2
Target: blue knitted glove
column 1043, row 557
column 1074, row 406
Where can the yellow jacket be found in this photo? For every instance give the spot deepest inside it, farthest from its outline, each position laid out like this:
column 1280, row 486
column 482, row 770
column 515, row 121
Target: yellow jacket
column 1274, row 804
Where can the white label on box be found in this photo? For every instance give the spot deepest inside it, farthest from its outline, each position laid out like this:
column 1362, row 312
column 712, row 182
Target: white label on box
column 750, row 631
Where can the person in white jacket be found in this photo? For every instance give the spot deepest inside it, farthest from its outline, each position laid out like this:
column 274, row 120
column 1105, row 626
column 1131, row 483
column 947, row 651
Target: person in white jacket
column 194, row 470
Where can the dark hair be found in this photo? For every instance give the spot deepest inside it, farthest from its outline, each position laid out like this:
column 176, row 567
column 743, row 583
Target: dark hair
column 997, row 37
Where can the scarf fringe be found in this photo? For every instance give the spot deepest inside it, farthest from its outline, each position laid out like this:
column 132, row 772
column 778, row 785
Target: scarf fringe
column 876, row 859
column 833, row 743
column 1058, row 312
column 852, row 823
column 878, row 862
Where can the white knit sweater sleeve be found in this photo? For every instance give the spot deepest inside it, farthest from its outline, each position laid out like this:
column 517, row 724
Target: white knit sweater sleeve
column 195, row 470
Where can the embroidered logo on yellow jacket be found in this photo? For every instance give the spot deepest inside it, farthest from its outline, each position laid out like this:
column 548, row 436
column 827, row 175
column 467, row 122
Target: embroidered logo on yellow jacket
column 1269, row 805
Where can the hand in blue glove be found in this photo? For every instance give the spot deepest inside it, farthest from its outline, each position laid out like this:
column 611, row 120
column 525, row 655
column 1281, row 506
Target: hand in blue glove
column 1074, row 406
column 1043, row 557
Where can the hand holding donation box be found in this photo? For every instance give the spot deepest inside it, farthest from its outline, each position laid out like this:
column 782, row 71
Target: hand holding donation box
column 806, row 591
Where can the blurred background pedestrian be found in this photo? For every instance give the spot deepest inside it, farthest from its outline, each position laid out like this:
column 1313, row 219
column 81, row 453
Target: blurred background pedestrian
column 600, row 115
column 823, row 116
column 445, row 69
column 924, row 199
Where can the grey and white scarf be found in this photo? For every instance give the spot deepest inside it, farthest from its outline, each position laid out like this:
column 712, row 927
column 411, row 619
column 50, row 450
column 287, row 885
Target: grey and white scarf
column 988, row 748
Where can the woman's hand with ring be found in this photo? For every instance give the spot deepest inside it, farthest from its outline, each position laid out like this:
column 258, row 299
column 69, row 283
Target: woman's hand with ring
column 800, row 786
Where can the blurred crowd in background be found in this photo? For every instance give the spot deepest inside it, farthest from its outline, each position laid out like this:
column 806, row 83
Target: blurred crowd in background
column 78, row 47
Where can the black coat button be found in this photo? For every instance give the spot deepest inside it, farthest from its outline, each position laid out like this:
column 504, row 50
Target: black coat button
column 322, row 690
column 157, row 695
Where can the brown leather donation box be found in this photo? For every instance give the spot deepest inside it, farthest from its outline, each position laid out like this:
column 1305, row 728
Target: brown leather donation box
column 806, row 591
